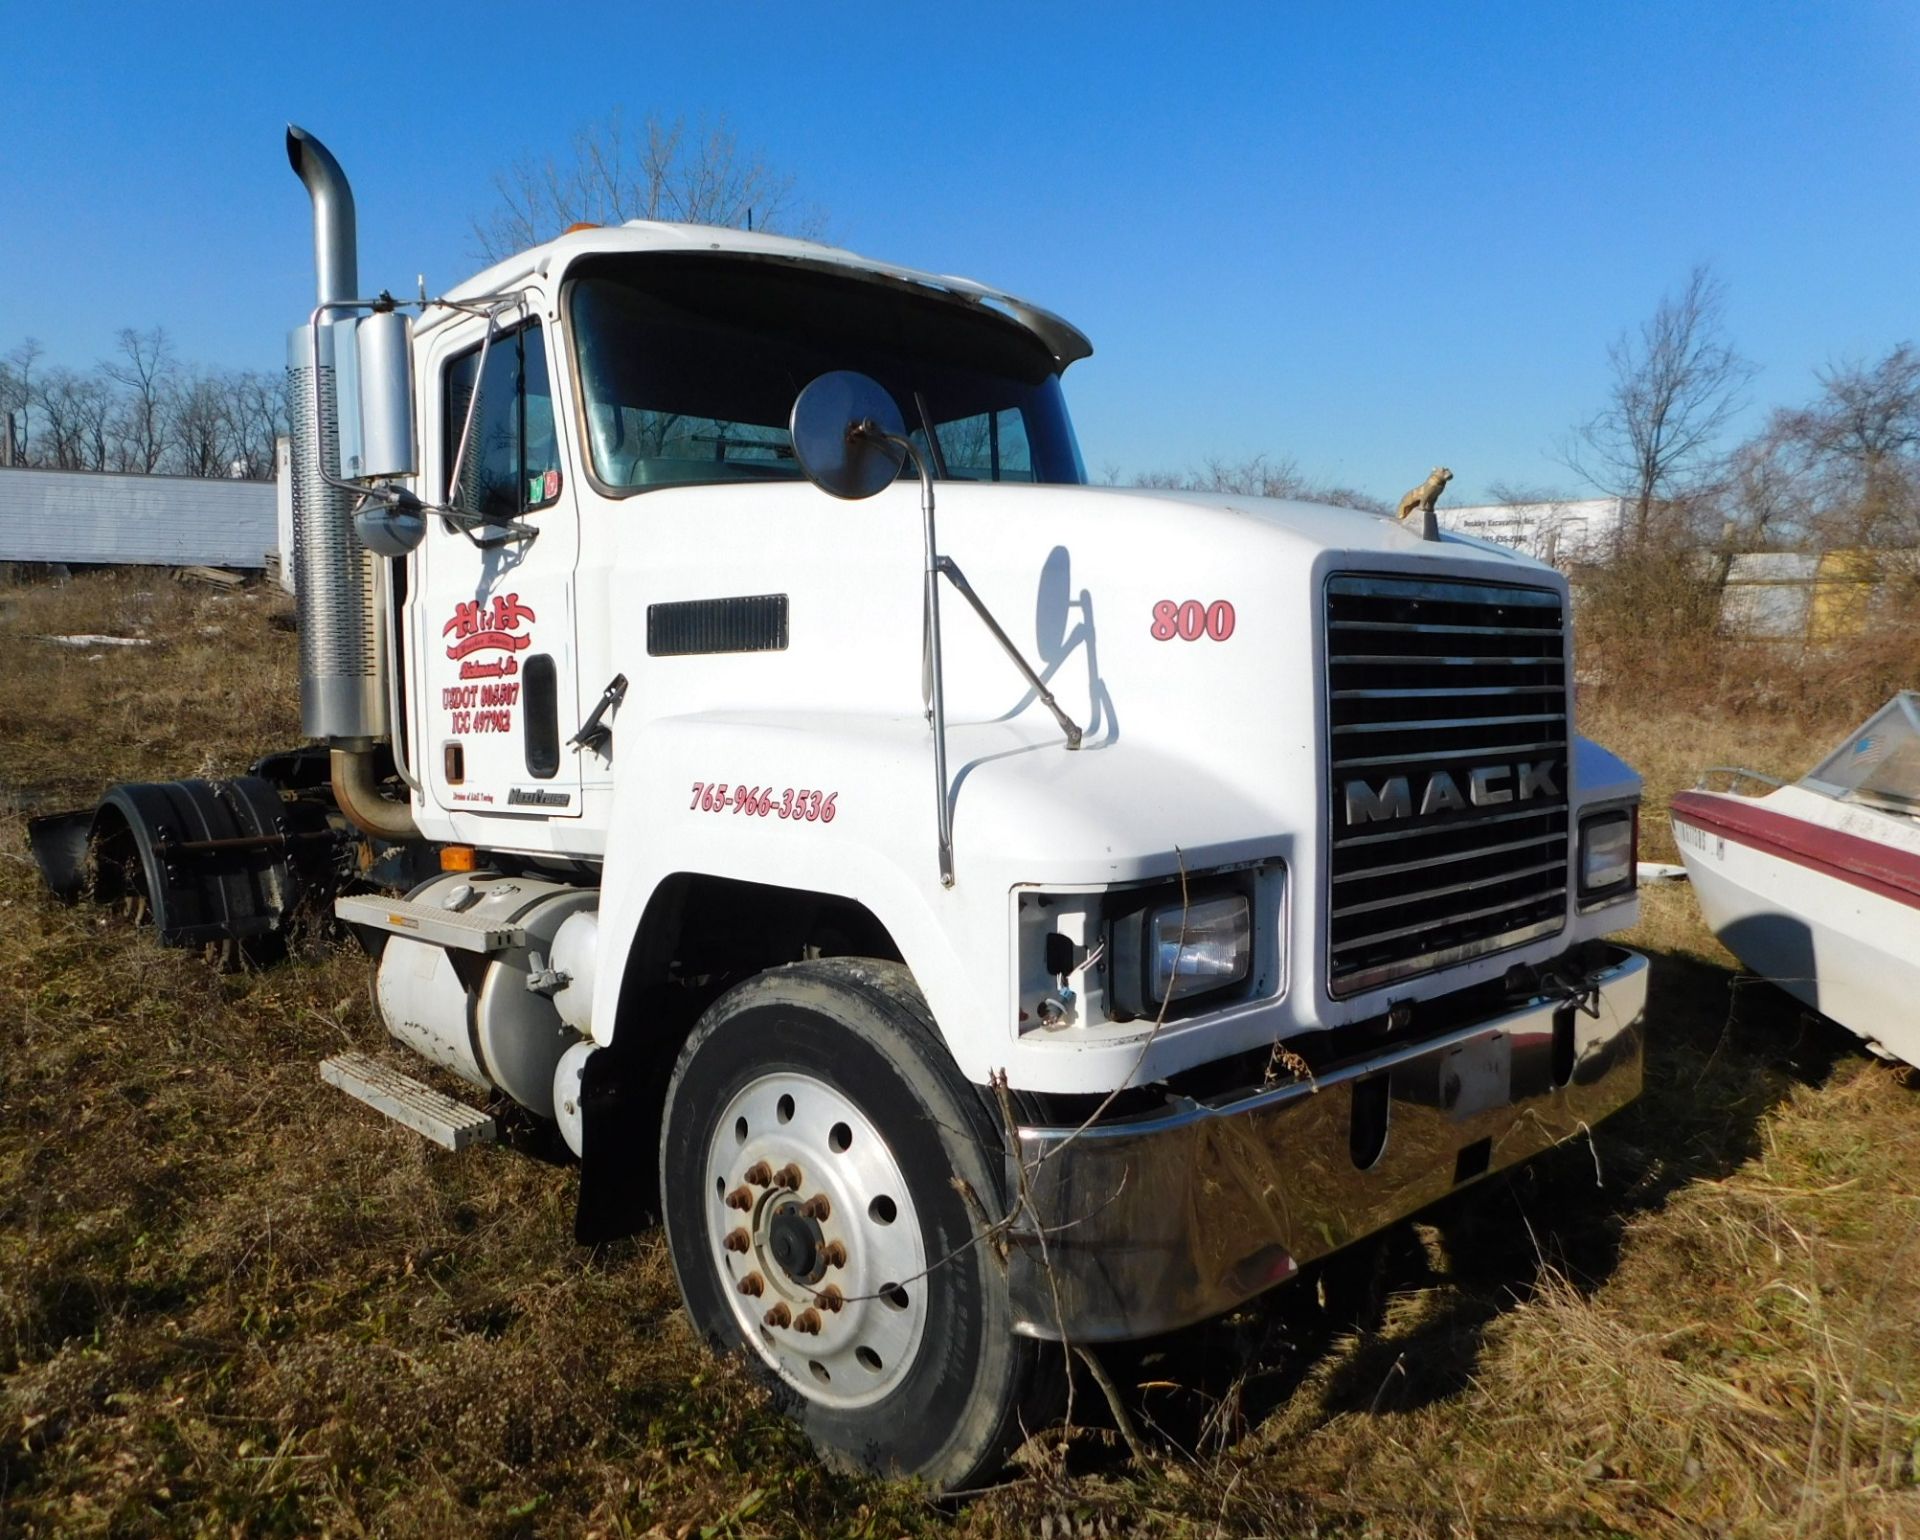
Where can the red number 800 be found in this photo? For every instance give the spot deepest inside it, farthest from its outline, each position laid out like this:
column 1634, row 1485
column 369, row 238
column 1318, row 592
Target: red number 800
column 1192, row 620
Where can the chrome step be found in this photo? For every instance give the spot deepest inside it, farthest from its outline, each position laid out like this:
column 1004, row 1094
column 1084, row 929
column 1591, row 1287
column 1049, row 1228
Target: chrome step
column 450, row 1124
column 430, row 922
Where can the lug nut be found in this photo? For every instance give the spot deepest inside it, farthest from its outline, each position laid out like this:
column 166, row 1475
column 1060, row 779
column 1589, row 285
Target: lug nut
column 736, row 1240
column 740, row 1198
column 788, row 1176
column 830, row 1299
column 752, row 1284
column 808, row 1321
column 779, row 1315
column 835, row 1253
column 759, row 1174
column 817, row 1207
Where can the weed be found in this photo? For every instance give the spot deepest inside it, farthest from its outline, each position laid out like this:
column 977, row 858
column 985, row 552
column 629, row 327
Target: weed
column 231, row 1300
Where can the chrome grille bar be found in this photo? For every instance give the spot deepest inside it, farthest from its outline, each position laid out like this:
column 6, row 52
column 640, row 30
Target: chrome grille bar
column 1414, row 930
column 1401, row 836
column 1441, row 630
column 1432, row 861
column 1394, row 727
column 1447, row 692
column 1535, row 747
column 1534, row 660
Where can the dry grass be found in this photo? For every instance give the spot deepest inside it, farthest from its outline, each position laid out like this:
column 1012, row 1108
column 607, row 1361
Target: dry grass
column 232, row 1302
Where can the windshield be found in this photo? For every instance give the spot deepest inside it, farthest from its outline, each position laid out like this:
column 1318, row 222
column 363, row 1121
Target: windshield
column 690, row 365
column 1880, row 761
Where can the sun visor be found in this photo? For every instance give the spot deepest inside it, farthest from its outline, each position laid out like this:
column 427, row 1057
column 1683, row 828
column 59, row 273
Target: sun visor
column 1062, row 339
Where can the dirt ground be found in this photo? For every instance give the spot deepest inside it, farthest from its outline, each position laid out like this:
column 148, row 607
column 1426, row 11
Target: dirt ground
column 234, row 1302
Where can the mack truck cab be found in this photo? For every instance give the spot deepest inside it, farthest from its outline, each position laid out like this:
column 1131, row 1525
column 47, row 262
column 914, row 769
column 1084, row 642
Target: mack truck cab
column 974, row 911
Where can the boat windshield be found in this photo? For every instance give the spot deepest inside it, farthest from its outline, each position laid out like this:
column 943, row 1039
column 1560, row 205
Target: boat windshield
column 1879, row 764
column 689, row 366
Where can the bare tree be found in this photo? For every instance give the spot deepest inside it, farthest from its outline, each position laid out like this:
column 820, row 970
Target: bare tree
column 1675, row 386
column 1866, row 427
column 144, row 369
column 16, row 401
column 140, row 411
column 256, row 406
column 1872, row 411
column 1259, row 476
column 77, row 417
column 1520, row 493
column 199, row 426
column 1337, row 496
column 608, row 176
column 1843, row 470
column 1773, row 485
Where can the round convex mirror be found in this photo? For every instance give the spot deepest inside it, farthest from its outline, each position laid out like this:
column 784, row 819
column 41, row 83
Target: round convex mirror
column 832, row 455
column 390, row 529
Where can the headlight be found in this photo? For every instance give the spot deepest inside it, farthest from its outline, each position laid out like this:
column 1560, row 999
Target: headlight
column 1202, row 948
column 1607, row 853
column 1169, row 952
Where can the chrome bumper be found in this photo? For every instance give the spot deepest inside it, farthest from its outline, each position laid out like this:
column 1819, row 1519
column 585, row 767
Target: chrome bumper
column 1141, row 1226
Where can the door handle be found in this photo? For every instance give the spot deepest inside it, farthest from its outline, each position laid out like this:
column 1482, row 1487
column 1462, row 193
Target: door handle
column 595, row 734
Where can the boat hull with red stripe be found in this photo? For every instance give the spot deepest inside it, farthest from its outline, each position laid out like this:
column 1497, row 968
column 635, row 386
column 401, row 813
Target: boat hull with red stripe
column 1820, row 896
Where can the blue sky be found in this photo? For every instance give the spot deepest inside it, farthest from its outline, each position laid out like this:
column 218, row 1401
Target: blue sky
column 1371, row 237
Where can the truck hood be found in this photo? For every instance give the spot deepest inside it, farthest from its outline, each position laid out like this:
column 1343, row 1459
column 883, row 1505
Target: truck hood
column 1182, row 631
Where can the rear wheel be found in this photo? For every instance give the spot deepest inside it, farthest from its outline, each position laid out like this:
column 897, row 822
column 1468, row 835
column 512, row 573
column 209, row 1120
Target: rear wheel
column 815, row 1128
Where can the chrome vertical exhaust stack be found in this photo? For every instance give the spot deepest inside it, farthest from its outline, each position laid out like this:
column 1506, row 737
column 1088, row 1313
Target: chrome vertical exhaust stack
column 336, row 236
column 342, row 692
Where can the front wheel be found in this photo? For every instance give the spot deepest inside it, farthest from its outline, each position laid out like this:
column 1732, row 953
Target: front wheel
column 816, row 1140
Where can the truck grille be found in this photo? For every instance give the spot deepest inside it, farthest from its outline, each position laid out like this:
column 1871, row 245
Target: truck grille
column 1447, row 761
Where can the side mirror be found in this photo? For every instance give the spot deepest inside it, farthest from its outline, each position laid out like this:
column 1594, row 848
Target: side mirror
column 392, row 526
column 837, row 427
column 383, row 342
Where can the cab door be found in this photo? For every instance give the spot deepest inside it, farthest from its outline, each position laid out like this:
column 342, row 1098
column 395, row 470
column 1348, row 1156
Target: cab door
column 496, row 625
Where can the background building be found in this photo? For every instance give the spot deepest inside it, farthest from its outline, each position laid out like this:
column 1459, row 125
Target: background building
column 86, row 517
column 1561, row 534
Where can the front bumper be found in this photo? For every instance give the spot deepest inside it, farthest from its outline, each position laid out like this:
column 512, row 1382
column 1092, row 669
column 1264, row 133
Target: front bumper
column 1144, row 1225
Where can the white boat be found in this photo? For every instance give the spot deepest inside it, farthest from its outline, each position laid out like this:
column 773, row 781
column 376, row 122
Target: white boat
column 1815, row 885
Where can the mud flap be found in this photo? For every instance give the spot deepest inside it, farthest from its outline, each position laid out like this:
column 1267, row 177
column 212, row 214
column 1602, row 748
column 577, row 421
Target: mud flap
column 206, row 861
column 620, row 1105
column 59, row 845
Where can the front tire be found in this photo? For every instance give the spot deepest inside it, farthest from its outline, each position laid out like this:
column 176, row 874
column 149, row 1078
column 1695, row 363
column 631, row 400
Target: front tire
column 816, row 1131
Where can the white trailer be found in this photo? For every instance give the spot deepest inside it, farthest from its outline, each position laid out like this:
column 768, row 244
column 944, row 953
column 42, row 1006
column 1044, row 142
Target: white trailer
column 1057, row 915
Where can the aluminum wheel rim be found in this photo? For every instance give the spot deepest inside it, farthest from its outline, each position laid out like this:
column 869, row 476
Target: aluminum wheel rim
column 794, row 1163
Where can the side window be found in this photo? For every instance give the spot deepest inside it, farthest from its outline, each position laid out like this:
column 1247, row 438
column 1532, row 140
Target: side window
column 989, row 446
column 512, row 464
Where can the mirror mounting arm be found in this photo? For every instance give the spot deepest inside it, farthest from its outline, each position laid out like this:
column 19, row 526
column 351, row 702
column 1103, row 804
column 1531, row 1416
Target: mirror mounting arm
column 399, row 501
column 937, row 566
column 955, row 576
column 867, row 428
column 851, row 442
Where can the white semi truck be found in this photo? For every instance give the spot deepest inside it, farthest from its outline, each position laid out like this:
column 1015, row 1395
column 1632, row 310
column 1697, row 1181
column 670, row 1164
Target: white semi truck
column 1054, row 923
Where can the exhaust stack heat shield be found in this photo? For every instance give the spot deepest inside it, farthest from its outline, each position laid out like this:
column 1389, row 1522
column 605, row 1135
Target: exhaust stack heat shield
column 342, row 691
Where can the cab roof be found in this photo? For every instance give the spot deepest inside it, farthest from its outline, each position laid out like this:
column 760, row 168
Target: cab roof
column 1064, row 341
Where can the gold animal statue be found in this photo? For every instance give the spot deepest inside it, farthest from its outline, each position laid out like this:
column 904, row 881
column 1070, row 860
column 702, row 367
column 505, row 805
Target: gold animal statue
column 1424, row 496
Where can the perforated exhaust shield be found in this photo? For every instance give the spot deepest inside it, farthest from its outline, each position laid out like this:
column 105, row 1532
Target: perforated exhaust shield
column 342, row 694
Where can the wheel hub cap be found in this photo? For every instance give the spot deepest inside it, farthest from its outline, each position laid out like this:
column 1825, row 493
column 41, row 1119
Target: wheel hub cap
column 795, row 1243
column 816, row 1240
